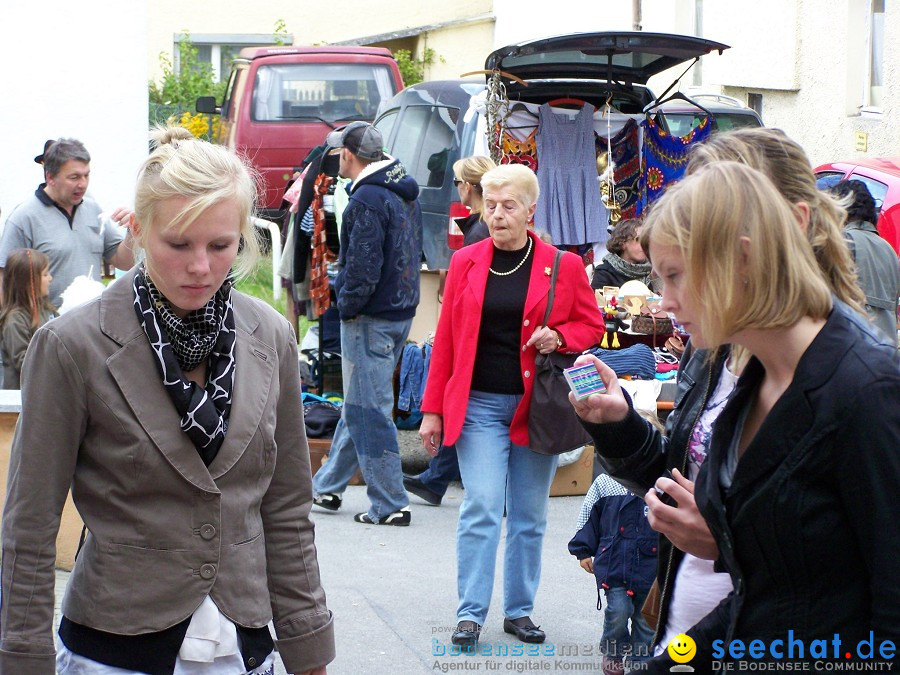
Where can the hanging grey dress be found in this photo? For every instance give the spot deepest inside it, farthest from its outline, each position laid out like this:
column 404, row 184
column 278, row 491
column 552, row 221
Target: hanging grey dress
column 569, row 206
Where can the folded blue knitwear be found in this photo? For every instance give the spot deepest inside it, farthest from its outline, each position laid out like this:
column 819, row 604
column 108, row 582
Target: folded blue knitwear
column 636, row 360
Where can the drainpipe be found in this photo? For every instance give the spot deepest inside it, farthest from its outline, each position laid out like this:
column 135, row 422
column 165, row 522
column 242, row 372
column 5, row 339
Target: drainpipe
column 636, row 15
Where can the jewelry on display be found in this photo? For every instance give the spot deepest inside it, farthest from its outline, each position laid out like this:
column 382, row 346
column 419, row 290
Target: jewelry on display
column 516, row 268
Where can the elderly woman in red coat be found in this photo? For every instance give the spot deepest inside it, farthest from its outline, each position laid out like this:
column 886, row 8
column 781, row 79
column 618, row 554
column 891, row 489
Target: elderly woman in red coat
column 478, row 395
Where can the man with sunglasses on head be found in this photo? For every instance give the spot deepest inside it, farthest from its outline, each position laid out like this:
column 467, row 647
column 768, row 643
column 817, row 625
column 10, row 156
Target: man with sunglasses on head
column 61, row 221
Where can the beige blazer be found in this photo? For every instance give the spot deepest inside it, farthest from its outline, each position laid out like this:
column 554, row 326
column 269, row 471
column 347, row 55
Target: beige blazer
column 165, row 531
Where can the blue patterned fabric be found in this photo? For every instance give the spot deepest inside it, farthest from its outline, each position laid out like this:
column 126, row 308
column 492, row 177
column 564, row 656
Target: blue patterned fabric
column 665, row 158
column 627, row 160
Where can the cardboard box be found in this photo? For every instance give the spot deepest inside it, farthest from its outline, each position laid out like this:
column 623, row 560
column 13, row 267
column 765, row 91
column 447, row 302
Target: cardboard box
column 574, row 478
column 318, row 454
column 70, row 525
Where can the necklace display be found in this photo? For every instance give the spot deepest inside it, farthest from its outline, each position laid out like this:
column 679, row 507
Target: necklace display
column 516, row 268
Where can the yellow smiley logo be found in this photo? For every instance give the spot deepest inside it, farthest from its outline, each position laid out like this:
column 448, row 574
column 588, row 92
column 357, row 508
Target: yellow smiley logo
column 682, row 648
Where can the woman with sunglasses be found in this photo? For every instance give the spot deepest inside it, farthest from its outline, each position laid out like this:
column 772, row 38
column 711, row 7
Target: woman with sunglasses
column 467, row 179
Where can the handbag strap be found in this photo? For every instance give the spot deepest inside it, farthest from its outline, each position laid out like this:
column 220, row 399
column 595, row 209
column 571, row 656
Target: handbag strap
column 552, row 294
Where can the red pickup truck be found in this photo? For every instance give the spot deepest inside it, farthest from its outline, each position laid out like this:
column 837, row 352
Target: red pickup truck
column 282, row 101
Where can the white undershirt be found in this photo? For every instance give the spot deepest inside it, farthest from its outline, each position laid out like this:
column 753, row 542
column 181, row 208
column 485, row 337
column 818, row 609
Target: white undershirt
column 698, row 587
column 210, row 646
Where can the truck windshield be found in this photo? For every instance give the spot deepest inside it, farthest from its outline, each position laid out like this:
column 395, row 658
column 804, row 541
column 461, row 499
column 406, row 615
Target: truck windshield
column 332, row 92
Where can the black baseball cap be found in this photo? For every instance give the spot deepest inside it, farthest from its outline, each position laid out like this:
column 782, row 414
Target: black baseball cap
column 40, row 158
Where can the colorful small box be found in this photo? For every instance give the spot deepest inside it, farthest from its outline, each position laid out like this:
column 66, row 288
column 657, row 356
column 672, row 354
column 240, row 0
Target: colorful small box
column 584, row 380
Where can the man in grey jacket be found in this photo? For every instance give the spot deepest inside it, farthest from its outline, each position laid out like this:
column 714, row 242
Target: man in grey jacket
column 876, row 261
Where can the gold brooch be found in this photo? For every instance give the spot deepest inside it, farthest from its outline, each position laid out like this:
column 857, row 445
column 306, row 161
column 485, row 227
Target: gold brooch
column 547, row 271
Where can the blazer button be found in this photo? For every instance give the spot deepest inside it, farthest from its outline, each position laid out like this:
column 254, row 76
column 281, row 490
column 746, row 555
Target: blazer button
column 207, row 531
column 251, row 662
column 527, row 373
column 526, row 322
column 207, row 571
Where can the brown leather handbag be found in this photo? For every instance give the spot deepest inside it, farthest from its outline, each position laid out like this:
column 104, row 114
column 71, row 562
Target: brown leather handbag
column 650, row 610
column 553, row 425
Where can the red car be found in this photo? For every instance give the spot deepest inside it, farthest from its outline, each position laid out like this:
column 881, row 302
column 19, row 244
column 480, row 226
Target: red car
column 882, row 176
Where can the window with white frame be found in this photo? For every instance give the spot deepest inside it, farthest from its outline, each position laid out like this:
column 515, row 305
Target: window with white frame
column 220, row 49
column 873, row 82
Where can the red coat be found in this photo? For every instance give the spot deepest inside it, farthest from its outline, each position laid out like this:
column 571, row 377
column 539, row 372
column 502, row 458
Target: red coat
column 575, row 316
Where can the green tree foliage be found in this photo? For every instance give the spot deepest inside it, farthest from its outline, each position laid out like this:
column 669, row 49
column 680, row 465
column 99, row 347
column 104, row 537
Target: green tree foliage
column 194, row 78
column 280, row 32
column 412, row 69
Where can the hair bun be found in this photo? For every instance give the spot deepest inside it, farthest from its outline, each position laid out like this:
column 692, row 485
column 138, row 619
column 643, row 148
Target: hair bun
column 168, row 135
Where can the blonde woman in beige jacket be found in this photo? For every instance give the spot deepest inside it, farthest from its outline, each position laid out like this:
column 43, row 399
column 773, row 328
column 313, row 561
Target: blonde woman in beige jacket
column 171, row 406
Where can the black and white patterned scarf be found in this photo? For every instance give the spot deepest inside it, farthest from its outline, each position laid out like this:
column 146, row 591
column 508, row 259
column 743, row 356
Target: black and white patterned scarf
column 180, row 345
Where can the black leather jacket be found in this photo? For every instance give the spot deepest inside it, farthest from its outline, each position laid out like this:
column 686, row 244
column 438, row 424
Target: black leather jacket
column 808, row 529
column 636, row 454
column 807, row 523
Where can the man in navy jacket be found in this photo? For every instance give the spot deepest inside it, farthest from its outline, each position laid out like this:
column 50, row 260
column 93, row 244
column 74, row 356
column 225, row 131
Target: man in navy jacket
column 377, row 294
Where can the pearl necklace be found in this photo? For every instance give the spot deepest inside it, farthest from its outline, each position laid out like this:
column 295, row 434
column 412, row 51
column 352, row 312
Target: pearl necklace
column 516, row 268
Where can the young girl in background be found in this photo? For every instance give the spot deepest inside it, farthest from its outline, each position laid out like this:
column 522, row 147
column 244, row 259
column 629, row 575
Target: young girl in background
column 26, row 307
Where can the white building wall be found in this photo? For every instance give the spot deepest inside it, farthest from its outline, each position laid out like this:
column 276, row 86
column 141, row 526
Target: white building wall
column 460, row 49
column 75, row 70
column 308, row 22
column 827, row 57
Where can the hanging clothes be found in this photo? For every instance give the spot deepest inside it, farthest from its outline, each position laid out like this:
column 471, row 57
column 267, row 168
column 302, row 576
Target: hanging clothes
column 626, row 156
column 569, row 205
column 517, row 151
column 319, row 286
column 665, row 158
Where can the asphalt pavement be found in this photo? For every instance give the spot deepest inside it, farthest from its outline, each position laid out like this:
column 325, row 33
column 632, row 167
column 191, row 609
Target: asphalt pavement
column 393, row 594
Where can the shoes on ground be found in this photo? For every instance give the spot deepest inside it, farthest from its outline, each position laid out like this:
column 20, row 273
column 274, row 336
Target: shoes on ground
column 466, row 636
column 414, row 486
column 613, row 666
column 524, row 629
column 328, row 500
column 400, row 518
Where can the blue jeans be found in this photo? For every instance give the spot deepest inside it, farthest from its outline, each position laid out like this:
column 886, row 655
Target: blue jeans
column 365, row 436
column 441, row 470
column 616, row 641
column 498, row 473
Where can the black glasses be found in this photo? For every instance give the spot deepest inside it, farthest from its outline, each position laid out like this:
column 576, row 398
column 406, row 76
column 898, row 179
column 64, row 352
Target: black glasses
column 457, row 181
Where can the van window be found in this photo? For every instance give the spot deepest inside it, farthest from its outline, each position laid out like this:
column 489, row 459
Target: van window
column 680, row 124
column 877, row 189
column 228, row 98
column 333, row 92
column 826, row 179
column 425, row 143
column 385, row 124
